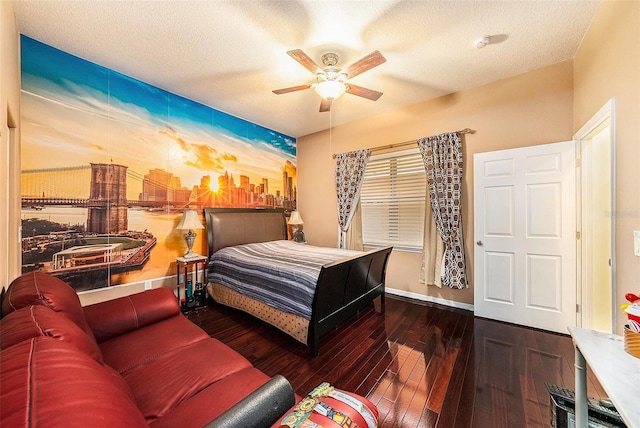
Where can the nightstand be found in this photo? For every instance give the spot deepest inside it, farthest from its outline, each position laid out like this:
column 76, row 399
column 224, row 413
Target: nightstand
column 195, row 293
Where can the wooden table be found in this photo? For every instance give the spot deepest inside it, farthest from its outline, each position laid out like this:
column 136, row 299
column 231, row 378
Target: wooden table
column 617, row 371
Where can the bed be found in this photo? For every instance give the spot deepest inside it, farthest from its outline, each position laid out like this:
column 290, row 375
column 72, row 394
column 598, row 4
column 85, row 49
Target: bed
column 342, row 288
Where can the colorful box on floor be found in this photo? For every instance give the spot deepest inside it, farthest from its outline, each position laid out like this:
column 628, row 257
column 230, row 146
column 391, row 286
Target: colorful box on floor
column 328, row 407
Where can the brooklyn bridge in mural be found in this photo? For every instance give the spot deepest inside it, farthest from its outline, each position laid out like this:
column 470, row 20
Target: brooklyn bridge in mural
column 102, row 247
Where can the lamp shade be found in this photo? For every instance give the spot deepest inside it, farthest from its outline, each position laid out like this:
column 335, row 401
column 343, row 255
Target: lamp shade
column 330, row 89
column 295, row 218
column 190, row 221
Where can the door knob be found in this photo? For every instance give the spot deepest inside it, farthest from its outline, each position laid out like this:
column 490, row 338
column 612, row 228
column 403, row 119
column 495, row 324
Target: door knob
column 479, row 243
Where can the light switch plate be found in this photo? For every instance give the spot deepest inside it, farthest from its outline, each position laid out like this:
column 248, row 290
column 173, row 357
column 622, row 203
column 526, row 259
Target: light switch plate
column 147, row 285
column 636, row 242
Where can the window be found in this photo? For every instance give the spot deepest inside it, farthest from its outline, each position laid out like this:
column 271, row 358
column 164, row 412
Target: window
column 393, row 201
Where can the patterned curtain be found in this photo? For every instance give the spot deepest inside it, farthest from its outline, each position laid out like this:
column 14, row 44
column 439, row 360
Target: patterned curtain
column 432, row 249
column 354, row 232
column 442, row 156
column 350, row 168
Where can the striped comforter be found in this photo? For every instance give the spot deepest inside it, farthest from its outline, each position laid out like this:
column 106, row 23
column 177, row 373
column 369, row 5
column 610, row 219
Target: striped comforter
column 282, row 274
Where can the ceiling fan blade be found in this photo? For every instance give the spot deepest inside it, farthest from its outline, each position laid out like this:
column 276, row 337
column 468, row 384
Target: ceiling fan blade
column 291, row 89
column 363, row 92
column 305, row 61
column 325, row 105
column 374, row 59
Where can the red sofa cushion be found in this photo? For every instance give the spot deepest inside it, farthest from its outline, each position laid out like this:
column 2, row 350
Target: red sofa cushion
column 37, row 288
column 48, row 383
column 150, row 342
column 119, row 316
column 216, row 398
column 35, row 321
column 176, row 376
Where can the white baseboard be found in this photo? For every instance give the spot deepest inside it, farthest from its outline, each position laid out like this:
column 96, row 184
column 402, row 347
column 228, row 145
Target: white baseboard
column 155, row 283
column 422, row 297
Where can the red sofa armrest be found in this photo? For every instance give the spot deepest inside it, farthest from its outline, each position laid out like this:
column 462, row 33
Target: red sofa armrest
column 262, row 408
column 119, row 316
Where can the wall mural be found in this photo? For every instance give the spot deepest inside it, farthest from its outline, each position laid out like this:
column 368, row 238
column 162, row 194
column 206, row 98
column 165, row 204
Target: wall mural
column 110, row 163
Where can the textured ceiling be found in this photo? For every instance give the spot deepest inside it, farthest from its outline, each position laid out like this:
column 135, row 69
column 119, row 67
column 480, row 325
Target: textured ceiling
column 230, row 55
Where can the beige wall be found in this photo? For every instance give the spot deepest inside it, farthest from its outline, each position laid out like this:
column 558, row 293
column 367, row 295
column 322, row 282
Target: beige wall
column 533, row 108
column 607, row 65
column 10, row 144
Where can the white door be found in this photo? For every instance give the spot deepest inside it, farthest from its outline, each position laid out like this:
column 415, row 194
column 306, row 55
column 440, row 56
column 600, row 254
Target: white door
column 525, row 234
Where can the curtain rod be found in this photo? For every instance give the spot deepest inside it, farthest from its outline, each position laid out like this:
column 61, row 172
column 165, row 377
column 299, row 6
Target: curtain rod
column 406, row 143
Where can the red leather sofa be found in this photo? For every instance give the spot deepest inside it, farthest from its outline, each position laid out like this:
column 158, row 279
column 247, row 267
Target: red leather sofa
column 128, row 362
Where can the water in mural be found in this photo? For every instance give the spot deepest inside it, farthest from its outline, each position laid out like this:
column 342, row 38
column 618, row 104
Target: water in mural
column 109, row 164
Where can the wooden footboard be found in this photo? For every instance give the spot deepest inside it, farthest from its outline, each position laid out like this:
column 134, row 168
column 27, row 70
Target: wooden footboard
column 345, row 287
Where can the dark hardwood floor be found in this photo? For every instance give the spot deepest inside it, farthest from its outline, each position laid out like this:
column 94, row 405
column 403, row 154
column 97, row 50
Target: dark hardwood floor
column 422, row 364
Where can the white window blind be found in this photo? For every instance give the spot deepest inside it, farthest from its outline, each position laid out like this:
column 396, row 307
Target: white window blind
column 393, row 200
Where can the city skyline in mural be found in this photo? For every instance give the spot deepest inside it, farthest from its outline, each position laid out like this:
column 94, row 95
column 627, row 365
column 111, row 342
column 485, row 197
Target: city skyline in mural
column 109, row 163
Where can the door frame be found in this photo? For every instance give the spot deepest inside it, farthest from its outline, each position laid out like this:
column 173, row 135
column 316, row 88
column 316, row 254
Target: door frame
column 604, row 114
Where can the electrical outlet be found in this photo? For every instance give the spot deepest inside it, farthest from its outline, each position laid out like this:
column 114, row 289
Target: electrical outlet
column 147, row 285
column 181, row 278
column 636, row 242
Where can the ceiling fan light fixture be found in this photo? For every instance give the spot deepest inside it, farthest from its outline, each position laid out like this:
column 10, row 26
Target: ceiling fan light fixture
column 330, row 89
column 331, row 81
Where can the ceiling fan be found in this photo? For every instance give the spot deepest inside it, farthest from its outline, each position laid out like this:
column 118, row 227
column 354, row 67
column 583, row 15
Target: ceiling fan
column 331, row 81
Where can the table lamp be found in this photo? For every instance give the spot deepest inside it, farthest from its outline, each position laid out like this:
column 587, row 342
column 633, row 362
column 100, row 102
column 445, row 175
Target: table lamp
column 190, row 221
column 296, row 226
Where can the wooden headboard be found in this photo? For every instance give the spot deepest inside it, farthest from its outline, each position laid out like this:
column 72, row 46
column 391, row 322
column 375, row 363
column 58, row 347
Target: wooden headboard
column 235, row 226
